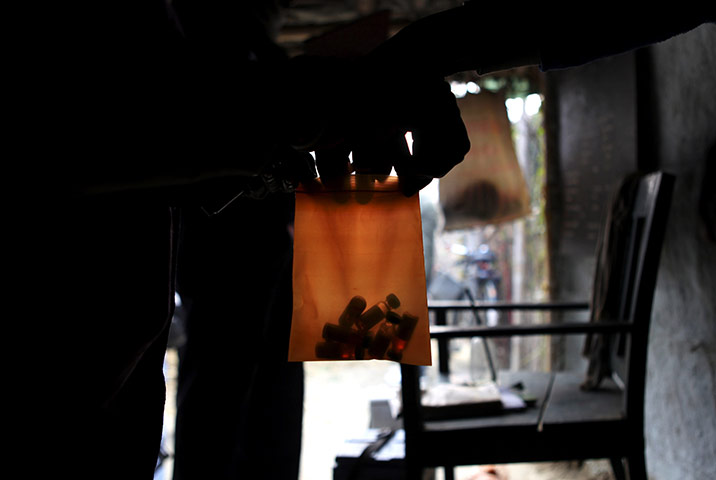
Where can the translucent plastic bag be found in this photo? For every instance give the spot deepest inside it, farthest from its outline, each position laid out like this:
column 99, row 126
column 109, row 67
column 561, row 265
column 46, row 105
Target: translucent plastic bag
column 359, row 274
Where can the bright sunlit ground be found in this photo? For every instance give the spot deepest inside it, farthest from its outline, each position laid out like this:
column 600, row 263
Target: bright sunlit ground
column 336, row 408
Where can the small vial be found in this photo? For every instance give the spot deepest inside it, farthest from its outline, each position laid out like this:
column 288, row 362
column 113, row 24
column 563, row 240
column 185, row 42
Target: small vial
column 381, row 342
column 372, row 316
column 332, row 351
column 340, row 334
column 352, row 311
column 403, row 333
column 377, row 312
column 392, row 317
column 393, row 301
column 365, row 343
column 407, row 326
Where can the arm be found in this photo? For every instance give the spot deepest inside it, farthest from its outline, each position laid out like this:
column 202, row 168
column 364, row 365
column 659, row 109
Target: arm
column 412, row 65
column 488, row 38
column 149, row 111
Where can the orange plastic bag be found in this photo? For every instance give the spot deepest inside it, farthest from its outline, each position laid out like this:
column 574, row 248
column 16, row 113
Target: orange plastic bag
column 359, row 274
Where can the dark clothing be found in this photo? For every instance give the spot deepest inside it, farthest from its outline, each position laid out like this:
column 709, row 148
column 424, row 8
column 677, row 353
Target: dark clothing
column 102, row 278
column 588, row 34
column 239, row 402
column 485, row 37
column 132, row 99
column 129, row 121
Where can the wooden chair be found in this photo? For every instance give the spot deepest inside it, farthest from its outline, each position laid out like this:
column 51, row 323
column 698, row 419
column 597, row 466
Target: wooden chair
column 567, row 423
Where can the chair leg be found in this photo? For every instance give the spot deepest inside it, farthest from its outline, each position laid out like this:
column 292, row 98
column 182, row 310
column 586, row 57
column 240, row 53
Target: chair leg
column 618, row 468
column 449, row 472
column 413, row 471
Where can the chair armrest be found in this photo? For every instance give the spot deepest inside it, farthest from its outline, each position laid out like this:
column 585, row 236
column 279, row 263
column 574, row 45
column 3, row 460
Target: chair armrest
column 438, row 305
column 441, row 331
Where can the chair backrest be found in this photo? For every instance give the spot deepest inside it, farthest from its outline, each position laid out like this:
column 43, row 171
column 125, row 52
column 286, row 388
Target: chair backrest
column 627, row 263
column 644, row 236
column 639, row 239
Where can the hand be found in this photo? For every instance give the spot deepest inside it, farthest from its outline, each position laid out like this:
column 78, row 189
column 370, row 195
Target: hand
column 363, row 107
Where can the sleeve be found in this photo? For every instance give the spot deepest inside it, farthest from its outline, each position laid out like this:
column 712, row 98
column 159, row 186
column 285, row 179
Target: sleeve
column 121, row 99
column 487, row 37
column 570, row 38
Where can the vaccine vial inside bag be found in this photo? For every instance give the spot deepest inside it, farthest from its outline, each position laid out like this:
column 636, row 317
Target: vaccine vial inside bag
column 359, row 274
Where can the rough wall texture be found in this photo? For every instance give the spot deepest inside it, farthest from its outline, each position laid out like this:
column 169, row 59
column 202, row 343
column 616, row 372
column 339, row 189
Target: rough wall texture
column 681, row 380
column 594, row 120
column 598, row 134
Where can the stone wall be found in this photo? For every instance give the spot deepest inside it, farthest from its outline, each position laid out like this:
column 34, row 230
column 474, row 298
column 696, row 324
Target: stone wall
column 655, row 108
column 681, row 380
column 591, row 121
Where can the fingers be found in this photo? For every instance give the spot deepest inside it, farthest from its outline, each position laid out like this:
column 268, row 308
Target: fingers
column 428, row 109
column 333, row 162
column 293, row 165
column 440, row 138
column 411, row 183
column 334, row 169
column 377, row 155
column 439, row 135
